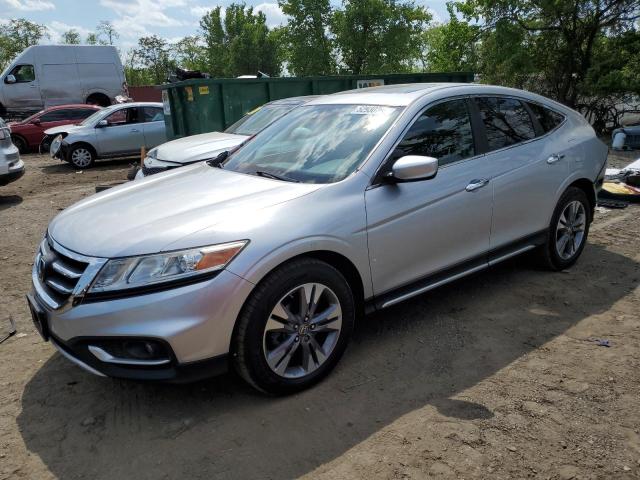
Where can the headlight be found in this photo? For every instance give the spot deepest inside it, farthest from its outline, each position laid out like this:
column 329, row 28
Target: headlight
column 153, row 153
column 134, row 272
column 55, row 145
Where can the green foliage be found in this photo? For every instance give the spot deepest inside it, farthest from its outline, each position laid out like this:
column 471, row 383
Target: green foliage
column 452, row 46
column 107, row 34
column 305, row 39
column 239, row 44
column 71, row 37
column 16, row 35
column 150, row 62
column 92, row 39
column 379, row 36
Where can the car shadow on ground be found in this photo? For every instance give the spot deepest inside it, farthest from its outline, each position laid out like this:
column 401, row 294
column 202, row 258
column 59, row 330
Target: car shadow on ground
column 8, row 201
column 99, row 165
column 423, row 352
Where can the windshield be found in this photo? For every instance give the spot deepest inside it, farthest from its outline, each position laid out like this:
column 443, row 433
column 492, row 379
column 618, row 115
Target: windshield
column 315, row 144
column 257, row 120
column 28, row 119
column 93, row 117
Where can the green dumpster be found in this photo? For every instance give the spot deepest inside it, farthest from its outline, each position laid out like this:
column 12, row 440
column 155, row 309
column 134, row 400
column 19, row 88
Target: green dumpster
column 208, row 105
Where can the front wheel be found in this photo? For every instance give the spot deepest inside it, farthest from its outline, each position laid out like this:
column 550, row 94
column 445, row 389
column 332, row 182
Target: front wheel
column 568, row 230
column 81, row 156
column 19, row 143
column 294, row 327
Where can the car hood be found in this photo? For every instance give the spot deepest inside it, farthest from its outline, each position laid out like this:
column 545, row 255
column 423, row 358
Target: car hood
column 161, row 212
column 197, row 147
column 64, row 129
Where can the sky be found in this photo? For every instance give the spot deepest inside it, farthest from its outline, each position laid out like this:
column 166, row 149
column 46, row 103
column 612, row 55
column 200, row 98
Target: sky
column 170, row 19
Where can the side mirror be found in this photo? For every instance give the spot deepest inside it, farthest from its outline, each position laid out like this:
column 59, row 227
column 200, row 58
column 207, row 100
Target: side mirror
column 102, row 124
column 36, row 121
column 10, row 79
column 412, row 168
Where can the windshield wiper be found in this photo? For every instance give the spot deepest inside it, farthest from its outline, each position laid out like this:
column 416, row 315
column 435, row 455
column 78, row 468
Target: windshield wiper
column 217, row 161
column 275, row 176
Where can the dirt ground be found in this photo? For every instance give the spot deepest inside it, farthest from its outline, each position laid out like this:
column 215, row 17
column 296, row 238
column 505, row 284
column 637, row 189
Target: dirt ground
column 495, row 376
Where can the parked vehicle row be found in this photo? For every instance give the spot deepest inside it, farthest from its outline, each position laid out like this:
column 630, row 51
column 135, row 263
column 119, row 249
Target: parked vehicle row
column 207, row 146
column 349, row 203
column 116, row 131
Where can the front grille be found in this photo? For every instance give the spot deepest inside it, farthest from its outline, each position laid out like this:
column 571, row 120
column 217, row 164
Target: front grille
column 153, row 170
column 632, row 141
column 57, row 273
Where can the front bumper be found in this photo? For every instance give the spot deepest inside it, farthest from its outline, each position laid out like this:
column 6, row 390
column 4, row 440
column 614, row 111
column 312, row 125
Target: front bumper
column 194, row 323
column 13, row 173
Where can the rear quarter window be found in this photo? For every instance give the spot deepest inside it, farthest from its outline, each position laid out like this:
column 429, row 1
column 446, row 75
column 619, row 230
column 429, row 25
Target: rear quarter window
column 547, row 118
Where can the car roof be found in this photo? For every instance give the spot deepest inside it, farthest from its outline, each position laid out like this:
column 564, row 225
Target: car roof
column 406, row 94
column 136, row 104
column 294, row 100
column 73, row 105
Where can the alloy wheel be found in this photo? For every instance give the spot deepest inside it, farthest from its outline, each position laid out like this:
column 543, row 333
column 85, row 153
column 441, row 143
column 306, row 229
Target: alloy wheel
column 302, row 330
column 570, row 229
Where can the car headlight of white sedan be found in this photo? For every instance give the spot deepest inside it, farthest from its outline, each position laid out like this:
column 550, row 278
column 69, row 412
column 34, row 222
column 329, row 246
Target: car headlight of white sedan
column 55, row 145
column 142, row 271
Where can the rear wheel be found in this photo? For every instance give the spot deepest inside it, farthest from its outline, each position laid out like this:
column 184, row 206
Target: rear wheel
column 99, row 99
column 81, row 156
column 568, row 230
column 294, row 327
column 20, row 143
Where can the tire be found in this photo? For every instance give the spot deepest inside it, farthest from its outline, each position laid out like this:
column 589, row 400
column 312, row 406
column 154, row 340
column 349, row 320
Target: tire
column 20, row 143
column 553, row 254
column 45, row 144
column 99, row 99
column 295, row 342
column 81, row 156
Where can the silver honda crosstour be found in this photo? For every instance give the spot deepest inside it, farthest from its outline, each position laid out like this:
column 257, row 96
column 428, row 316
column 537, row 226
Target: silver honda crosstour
column 262, row 259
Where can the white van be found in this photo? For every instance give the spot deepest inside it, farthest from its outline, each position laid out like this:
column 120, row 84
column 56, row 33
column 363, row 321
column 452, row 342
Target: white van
column 46, row 75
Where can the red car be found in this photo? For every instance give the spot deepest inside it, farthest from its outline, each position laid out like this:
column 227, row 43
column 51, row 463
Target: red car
column 28, row 134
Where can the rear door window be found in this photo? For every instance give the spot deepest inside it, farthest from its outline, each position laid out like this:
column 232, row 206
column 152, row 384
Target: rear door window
column 442, row 131
column 547, row 118
column 506, row 121
column 153, row 114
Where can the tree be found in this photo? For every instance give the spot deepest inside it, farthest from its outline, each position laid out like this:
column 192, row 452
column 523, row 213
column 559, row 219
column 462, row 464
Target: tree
column 190, row 53
column 562, row 34
column 107, row 29
column 16, row 35
column 71, row 37
column 241, row 44
column 92, row 39
column 153, row 54
column 380, row 36
column 452, row 46
column 308, row 49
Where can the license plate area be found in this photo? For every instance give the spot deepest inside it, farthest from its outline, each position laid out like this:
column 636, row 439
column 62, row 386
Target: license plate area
column 39, row 317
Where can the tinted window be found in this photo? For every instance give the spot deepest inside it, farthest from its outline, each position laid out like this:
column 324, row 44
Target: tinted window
column 547, row 118
column 57, row 115
column 153, row 114
column 506, row 121
column 81, row 113
column 443, row 132
column 123, row 116
column 24, row 73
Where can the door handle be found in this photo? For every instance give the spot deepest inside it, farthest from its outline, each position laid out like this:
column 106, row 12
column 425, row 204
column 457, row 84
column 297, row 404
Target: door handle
column 476, row 184
column 134, row 130
column 556, row 157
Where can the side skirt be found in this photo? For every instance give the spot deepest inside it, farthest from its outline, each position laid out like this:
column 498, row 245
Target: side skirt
column 451, row 274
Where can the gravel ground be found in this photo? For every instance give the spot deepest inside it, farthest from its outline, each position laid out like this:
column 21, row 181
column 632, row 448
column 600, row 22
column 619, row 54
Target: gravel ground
column 496, row 376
